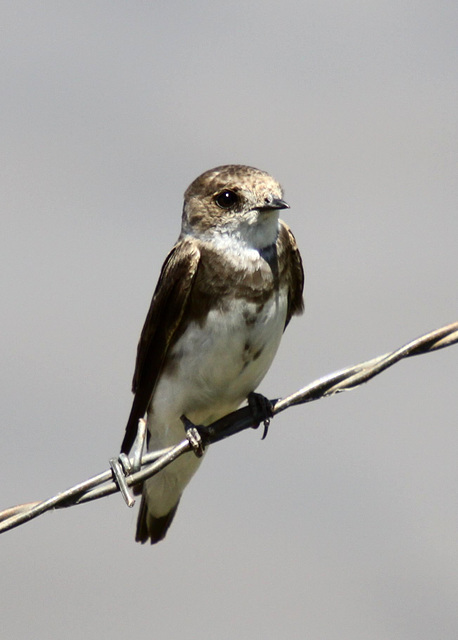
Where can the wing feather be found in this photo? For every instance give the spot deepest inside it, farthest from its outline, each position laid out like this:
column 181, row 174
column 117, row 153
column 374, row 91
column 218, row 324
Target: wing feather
column 160, row 330
column 293, row 271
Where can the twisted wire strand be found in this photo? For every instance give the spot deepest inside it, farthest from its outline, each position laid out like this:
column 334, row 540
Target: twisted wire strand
column 104, row 483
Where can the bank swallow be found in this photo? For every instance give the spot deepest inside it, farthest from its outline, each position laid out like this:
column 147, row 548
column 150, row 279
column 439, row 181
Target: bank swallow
column 226, row 292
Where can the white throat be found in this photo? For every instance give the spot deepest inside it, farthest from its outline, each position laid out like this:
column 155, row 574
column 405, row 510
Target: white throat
column 255, row 233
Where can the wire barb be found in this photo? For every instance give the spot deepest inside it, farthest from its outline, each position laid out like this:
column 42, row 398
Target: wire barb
column 119, row 470
column 195, row 441
column 138, row 446
column 127, row 472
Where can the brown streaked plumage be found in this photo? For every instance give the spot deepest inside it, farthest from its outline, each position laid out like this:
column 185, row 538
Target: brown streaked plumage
column 226, row 292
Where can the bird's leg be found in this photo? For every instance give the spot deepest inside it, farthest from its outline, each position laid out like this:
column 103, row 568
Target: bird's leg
column 262, row 410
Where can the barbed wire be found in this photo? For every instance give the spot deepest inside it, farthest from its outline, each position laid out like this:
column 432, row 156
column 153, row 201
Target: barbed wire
column 126, row 472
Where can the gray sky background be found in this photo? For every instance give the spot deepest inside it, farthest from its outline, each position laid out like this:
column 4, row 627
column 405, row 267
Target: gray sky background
column 344, row 522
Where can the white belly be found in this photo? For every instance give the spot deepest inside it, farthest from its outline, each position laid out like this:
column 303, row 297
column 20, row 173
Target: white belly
column 215, row 366
column 218, row 363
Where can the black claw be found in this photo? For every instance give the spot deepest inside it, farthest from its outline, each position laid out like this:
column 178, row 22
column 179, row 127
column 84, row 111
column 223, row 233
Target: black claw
column 262, row 410
column 260, row 406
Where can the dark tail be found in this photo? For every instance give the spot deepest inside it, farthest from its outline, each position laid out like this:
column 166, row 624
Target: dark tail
column 151, row 528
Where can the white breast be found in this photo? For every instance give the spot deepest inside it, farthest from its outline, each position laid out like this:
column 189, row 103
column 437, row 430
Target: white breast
column 220, row 361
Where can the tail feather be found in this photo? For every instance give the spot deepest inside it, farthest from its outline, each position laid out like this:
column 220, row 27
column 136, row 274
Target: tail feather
column 150, row 527
column 161, row 494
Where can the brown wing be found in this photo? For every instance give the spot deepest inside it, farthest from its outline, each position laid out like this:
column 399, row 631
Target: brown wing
column 162, row 321
column 293, row 270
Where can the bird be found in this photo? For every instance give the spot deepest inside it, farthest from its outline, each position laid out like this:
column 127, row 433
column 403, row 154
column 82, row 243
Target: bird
column 226, row 292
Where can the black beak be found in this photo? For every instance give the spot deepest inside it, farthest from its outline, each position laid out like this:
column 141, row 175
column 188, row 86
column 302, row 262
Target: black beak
column 276, row 203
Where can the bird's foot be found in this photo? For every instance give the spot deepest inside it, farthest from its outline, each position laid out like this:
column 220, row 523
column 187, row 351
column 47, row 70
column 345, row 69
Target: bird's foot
column 262, row 410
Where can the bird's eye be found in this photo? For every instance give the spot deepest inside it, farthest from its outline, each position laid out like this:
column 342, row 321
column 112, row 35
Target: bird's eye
column 226, row 199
